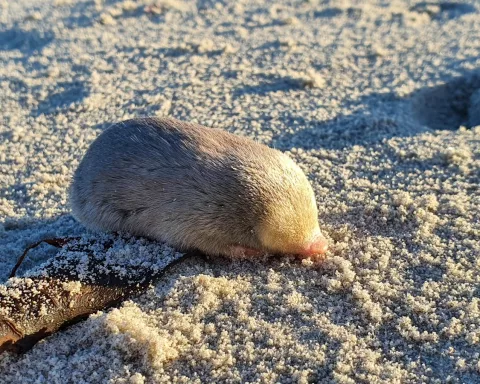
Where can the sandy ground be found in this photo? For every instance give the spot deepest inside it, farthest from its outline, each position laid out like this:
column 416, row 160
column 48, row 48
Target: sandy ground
column 378, row 101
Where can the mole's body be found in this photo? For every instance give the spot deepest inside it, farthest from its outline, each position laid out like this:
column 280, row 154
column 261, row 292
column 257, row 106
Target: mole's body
column 196, row 188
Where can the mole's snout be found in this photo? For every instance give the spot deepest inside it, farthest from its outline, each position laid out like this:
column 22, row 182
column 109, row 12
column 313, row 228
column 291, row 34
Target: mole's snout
column 317, row 246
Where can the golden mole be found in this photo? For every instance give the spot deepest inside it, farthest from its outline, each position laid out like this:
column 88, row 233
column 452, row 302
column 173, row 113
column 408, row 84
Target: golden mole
column 195, row 187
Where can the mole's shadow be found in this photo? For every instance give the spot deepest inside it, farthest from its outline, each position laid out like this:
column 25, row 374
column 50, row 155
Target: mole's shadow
column 379, row 116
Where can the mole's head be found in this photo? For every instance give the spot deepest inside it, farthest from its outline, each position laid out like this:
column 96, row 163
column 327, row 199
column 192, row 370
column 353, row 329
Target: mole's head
column 289, row 223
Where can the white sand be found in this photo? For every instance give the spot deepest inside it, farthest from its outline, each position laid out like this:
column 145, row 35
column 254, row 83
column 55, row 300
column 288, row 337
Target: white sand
column 376, row 100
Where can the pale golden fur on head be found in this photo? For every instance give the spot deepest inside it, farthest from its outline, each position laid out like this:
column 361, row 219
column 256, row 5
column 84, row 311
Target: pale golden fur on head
column 289, row 221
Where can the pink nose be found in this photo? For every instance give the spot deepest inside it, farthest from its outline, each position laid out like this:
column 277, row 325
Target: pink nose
column 319, row 245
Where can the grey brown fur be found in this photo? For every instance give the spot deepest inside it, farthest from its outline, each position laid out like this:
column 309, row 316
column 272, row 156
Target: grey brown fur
column 190, row 186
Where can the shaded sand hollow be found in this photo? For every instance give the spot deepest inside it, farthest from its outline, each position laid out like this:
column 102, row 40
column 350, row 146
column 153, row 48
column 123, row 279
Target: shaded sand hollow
column 377, row 101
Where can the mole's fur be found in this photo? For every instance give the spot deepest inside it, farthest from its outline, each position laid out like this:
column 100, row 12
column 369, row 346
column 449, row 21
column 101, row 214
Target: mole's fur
column 196, row 188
